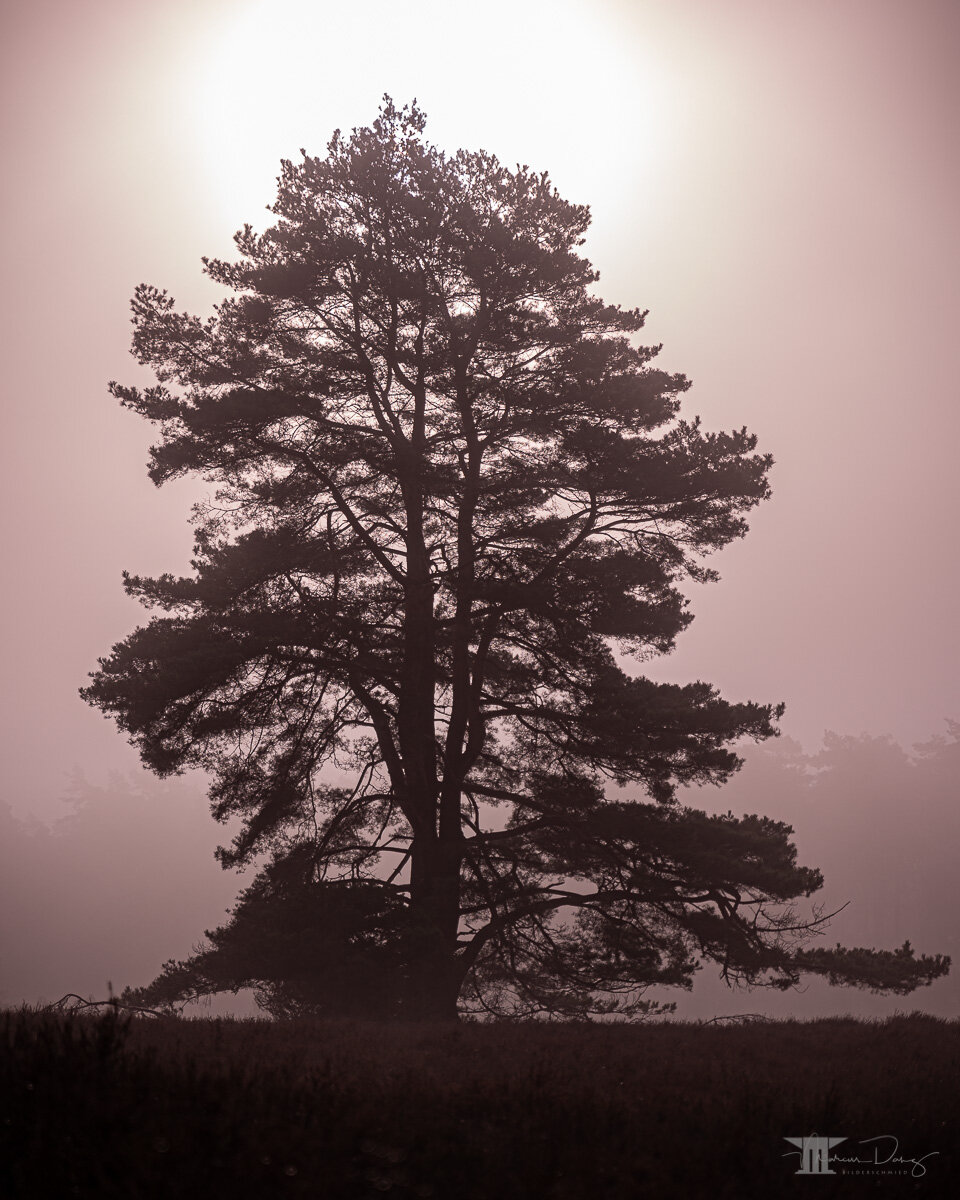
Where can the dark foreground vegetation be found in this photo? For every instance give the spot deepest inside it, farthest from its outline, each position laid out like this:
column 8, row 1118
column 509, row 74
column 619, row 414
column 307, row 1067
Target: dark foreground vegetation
column 116, row 1107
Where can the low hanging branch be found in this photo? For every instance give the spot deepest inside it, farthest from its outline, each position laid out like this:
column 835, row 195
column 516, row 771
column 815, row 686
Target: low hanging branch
column 114, row 1002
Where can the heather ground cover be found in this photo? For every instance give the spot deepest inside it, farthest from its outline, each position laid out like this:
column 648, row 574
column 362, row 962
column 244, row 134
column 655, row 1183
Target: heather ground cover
column 113, row 1106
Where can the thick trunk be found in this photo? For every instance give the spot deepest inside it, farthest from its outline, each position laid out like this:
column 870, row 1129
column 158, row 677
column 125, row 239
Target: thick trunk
column 433, row 975
column 433, row 971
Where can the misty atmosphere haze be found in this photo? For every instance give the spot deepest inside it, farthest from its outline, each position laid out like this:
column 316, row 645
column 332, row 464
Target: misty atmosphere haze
column 533, row 692
column 810, row 609
column 891, row 861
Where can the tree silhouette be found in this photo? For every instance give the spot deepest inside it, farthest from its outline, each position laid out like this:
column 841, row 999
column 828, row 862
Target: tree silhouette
column 450, row 486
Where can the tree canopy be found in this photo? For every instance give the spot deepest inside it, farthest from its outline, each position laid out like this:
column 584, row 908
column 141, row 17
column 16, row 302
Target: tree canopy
column 454, row 496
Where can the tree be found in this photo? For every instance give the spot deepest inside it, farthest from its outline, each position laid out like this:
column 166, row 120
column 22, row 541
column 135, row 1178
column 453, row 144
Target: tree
column 450, row 488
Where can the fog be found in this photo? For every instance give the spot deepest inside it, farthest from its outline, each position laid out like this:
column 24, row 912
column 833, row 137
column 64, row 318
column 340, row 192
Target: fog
column 881, row 821
column 102, row 895
column 778, row 184
column 125, row 878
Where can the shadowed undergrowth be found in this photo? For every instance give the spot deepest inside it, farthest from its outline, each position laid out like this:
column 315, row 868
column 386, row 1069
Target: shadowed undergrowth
column 113, row 1107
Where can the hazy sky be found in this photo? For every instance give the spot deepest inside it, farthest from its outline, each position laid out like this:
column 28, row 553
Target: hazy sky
column 778, row 181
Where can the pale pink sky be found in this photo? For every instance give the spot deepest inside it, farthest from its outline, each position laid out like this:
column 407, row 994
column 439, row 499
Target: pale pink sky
column 778, row 182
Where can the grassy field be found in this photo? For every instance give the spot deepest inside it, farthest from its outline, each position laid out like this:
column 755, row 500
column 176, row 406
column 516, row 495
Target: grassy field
column 140, row 1108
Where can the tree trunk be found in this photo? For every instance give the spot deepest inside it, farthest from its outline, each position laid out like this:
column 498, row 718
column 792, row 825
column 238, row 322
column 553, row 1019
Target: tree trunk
column 434, row 976
column 433, row 983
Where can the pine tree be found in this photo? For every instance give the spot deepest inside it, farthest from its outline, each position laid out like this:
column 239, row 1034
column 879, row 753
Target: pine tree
column 454, row 496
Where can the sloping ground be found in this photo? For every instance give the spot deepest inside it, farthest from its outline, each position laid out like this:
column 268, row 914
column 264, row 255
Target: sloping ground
column 110, row 1107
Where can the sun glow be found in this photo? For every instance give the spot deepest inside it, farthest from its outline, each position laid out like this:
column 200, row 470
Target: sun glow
column 548, row 84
